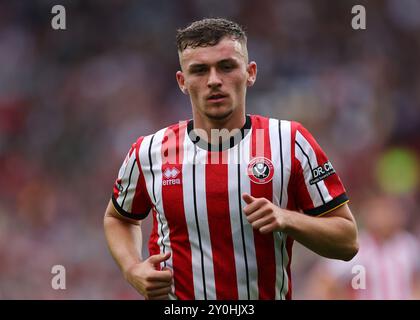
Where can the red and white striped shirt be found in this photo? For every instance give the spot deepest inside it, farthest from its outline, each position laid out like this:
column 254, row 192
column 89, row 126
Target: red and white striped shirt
column 194, row 194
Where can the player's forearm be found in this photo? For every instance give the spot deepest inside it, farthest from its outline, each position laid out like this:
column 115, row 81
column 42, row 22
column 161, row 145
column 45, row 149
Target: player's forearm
column 332, row 237
column 124, row 241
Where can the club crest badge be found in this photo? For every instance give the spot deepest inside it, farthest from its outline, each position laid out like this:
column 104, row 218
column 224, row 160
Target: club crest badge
column 260, row 170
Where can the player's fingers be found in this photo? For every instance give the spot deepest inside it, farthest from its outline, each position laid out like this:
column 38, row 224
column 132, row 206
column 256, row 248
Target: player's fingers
column 163, row 276
column 155, row 285
column 158, row 258
column 268, row 228
column 169, row 269
column 253, row 206
column 161, row 297
column 247, row 198
column 255, row 215
column 258, row 213
column 159, row 292
column 262, row 222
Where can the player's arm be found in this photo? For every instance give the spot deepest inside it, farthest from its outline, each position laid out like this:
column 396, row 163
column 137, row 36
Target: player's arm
column 333, row 235
column 124, row 240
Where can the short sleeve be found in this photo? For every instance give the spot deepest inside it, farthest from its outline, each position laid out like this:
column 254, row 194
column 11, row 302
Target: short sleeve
column 130, row 197
column 317, row 186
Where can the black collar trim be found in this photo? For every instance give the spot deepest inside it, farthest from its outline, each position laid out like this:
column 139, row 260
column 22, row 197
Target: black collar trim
column 233, row 140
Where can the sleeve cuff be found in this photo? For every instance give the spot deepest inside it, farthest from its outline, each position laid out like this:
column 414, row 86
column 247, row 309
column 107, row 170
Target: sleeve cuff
column 333, row 204
column 121, row 211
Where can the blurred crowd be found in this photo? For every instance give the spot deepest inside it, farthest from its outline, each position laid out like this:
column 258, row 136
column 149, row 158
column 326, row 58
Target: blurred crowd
column 72, row 102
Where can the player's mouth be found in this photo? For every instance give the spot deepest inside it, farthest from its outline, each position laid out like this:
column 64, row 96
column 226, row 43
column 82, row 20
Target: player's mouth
column 216, row 97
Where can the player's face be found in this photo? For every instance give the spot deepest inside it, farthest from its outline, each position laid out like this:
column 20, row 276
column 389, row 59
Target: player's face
column 383, row 217
column 216, row 78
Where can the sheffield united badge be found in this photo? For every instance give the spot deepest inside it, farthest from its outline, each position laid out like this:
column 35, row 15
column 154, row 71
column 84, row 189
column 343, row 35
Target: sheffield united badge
column 260, row 170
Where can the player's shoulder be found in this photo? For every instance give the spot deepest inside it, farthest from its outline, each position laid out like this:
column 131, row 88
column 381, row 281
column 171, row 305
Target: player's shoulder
column 292, row 125
column 271, row 121
column 158, row 135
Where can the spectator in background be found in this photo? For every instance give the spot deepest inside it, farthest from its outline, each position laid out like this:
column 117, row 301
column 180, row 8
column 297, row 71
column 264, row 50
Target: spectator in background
column 387, row 265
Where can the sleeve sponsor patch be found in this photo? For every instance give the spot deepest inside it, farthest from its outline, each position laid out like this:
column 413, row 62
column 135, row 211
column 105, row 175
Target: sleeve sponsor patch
column 322, row 172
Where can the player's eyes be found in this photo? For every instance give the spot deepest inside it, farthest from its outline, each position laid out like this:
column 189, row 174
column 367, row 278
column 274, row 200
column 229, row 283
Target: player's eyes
column 227, row 67
column 198, row 70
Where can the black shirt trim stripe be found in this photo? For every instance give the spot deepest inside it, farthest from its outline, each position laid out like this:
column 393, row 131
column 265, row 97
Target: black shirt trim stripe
column 242, row 223
column 121, row 211
column 129, row 182
column 341, row 199
column 154, row 197
column 310, row 166
column 198, row 226
column 151, row 168
column 281, row 200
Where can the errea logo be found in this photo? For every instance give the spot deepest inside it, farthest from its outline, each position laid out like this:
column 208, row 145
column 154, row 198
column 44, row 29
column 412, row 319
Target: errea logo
column 170, row 177
column 171, row 173
column 322, row 172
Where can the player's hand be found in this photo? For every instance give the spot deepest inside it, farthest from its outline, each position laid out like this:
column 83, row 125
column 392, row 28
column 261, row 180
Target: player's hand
column 153, row 284
column 263, row 215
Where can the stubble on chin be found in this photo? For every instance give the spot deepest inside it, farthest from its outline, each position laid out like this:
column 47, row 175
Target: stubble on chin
column 219, row 116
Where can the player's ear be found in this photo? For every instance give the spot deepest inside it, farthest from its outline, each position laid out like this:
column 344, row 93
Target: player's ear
column 252, row 73
column 181, row 82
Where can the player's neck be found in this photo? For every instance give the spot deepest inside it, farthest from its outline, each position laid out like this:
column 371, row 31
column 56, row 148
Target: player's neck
column 232, row 124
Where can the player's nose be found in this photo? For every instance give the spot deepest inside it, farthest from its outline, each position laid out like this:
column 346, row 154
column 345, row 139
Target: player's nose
column 214, row 79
